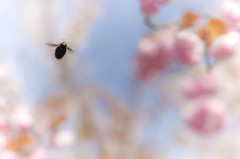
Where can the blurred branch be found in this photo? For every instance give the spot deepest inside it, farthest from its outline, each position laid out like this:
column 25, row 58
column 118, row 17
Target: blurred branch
column 155, row 25
column 149, row 23
column 152, row 25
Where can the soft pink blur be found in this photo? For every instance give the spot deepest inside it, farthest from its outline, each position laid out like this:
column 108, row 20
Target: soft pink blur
column 189, row 47
column 155, row 54
column 150, row 7
column 230, row 10
column 203, row 86
column 224, row 46
column 206, row 116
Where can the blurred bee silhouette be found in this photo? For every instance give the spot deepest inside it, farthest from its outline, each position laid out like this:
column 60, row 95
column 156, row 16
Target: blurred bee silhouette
column 61, row 49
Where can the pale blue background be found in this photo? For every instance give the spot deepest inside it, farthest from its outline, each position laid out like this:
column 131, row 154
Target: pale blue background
column 111, row 48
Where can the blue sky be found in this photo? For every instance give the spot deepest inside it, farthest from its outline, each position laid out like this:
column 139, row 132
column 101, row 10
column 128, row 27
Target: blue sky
column 111, row 47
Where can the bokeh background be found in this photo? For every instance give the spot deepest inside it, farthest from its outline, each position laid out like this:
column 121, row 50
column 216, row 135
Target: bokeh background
column 148, row 79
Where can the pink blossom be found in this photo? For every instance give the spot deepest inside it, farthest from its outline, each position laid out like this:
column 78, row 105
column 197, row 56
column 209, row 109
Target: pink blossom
column 3, row 102
column 150, row 7
column 5, row 154
column 39, row 153
column 41, row 127
column 206, row 116
column 231, row 11
column 163, row 1
column 64, row 138
column 224, row 46
column 4, row 125
column 3, row 140
column 3, row 72
column 22, row 117
column 203, row 86
column 189, row 47
column 155, row 54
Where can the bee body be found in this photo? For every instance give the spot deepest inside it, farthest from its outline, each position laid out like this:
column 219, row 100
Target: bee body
column 61, row 49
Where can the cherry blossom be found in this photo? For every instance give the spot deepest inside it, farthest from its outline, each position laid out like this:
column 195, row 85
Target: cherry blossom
column 150, row 7
column 189, row 47
column 39, row 153
column 206, row 116
column 202, row 86
column 22, row 117
column 231, row 11
column 155, row 54
column 3, row 140
column 5, row 154
column 224, row 46
column 3, row 72
column 64, row 138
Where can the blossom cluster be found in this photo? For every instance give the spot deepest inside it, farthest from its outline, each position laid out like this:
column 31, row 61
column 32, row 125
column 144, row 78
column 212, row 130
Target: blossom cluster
column 24, row 132
column 197, row 48
column 150, row 7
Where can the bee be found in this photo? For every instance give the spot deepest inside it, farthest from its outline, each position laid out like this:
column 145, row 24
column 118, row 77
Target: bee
column 61, row 49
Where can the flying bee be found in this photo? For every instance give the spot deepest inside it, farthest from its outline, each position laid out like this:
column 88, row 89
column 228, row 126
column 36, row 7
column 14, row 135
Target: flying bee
column 61, row 49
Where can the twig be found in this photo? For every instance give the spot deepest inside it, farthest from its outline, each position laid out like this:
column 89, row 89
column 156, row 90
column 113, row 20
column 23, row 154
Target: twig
column 158, row 26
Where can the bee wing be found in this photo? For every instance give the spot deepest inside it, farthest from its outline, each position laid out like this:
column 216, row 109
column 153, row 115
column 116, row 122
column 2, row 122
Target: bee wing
column 69, row 49
column 53, row 45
